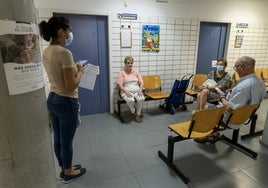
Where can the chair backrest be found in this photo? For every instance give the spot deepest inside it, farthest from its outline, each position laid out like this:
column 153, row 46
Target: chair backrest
column 235, row 77
column 152, row 82
column 258, row 72
column 198, row 80
column 207, row 119
column 265, row 74
column 241, row 115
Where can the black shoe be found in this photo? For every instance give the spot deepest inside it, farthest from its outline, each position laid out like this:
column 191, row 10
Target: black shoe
column 201, row 140
column 70, row 178
column 76, row 167
column 211, row 139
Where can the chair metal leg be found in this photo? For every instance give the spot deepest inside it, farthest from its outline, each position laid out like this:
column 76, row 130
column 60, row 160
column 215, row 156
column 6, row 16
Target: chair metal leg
column 118, row 112
column 251, row 135
column 233, row 142
column 252, row 132
column 169, row 158
column 235, row 135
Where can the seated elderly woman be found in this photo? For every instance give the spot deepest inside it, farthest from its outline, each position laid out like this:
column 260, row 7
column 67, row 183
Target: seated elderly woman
column 130, row 84
column 218, row 81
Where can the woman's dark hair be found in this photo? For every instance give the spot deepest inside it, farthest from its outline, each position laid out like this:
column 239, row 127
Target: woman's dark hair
column 48, row 30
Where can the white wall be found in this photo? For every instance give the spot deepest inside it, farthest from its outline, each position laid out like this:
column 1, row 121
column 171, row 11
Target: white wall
column 179, row 27
column 235, row 10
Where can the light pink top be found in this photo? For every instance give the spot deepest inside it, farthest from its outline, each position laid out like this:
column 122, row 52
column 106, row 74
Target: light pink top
column 133, row 78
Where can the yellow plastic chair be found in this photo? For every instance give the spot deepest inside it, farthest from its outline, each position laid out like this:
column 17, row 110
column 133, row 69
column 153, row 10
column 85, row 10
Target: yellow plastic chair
column 258, row 72
column 265, row 76
column 198, row 80
column 203, row 123
column 153, row 87
column 235, row 77
column 238, row 117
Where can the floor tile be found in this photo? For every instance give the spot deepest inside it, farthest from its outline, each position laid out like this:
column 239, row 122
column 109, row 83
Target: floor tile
column 159, row 177
column 112, row 166
column 141, row 159
column 125, row 155
column 126, row 181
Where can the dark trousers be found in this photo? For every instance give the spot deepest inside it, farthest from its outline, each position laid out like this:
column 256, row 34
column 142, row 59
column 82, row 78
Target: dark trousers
column 64, row 114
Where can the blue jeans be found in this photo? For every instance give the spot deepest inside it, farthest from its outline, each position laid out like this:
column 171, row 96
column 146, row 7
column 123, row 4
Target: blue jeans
column 64, row 114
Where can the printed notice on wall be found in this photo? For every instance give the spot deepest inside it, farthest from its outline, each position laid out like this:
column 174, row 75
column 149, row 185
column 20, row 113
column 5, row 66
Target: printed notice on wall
column 20, row 55
column 125, row 38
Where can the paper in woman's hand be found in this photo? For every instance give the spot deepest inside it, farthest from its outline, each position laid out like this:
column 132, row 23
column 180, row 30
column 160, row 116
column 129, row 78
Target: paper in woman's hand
column 88, row 79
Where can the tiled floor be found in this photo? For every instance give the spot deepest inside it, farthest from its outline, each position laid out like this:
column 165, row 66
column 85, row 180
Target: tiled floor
column 124, row 155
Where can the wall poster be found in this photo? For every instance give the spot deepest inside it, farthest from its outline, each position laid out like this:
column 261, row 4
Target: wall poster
column 150, row 38
column 20, row 54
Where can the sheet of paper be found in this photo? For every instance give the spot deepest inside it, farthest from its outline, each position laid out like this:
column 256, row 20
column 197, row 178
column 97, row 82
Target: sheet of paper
column 89, row 77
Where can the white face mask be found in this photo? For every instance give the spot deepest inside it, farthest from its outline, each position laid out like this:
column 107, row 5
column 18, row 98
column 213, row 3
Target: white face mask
column 70, row 39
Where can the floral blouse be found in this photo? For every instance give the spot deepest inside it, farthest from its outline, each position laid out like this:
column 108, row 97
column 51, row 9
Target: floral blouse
column 223, row 81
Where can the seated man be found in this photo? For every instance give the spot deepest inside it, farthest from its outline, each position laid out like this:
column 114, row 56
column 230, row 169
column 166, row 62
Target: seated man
column 210, row 91
column 248, row 90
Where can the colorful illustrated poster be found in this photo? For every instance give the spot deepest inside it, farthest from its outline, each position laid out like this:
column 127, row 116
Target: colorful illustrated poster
column 150, row 38
column 20, row 54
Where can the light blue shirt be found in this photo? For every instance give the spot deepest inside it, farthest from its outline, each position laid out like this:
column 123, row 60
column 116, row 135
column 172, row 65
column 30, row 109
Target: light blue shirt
column 248, row 90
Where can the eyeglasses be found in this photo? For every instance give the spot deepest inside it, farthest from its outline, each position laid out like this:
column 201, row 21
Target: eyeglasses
column 236, row 66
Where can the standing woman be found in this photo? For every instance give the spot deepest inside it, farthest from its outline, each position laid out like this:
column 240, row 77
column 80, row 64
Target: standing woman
column 130, row 84
column 64, row 76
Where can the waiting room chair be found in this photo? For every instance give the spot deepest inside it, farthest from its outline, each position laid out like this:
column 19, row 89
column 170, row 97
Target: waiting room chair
column 153, row 87
column 258, row 72
column 121, row 101
column 241, row 116
column 197, row 82
column 265, row 76
column 235, row 77
column 203, row 123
